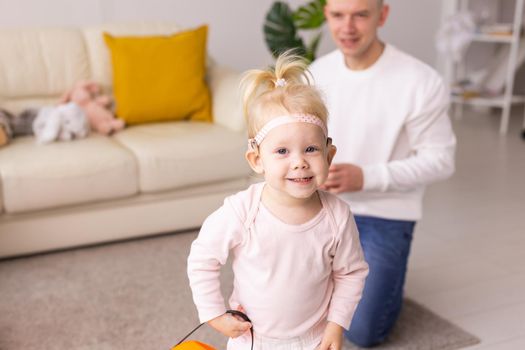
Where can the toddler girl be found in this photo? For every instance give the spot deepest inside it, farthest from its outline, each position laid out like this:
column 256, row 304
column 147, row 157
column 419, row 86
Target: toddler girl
column 298, row 266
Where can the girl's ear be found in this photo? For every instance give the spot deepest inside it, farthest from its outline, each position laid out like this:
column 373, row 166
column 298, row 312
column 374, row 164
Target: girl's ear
column 331, row 153
column 254, row 160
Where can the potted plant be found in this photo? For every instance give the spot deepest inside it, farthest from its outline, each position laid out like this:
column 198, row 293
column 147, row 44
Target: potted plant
column 282, row 24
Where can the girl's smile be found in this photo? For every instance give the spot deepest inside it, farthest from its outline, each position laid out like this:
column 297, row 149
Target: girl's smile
column 302, row 180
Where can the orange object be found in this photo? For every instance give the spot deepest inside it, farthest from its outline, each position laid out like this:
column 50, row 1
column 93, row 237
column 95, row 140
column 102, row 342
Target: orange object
column 192, row 345
column 196, row 345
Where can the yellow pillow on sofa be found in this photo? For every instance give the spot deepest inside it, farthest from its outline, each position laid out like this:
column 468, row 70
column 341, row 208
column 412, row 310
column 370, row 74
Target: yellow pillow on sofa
column 160, row 78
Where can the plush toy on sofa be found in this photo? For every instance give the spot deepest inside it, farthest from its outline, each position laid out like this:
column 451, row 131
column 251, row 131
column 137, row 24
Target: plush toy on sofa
column 22, row 123
column 63, row 122
column 5, row 127
column 88, row 96
column 12, row 125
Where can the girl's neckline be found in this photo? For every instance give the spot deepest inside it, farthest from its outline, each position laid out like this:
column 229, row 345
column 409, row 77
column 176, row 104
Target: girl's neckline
column 290, row 226
column 295, row 227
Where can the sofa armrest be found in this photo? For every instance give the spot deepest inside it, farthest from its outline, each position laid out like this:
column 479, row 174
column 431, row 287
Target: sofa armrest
column 226, row 102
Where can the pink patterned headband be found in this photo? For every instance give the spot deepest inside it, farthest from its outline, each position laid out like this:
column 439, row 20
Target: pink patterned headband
column 286, row 119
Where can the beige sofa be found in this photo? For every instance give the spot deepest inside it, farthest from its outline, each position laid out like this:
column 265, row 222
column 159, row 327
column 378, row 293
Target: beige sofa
column 146, row 179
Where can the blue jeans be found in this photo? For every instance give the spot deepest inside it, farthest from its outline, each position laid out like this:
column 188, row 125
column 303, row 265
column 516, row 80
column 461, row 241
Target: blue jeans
column 386, row 245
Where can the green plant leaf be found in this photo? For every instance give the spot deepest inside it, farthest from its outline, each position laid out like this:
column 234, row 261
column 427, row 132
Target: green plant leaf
column 280, row 32
column 310, row 16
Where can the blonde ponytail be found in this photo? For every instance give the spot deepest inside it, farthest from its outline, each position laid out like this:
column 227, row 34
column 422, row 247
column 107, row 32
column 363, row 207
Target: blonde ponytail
column 283, row 89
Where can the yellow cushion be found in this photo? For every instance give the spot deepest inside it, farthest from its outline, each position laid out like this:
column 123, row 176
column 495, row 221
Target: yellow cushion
column 160, row 78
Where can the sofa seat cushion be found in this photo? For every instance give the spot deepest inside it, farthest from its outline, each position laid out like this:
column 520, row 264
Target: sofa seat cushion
column 176, row 154
column 62, row 173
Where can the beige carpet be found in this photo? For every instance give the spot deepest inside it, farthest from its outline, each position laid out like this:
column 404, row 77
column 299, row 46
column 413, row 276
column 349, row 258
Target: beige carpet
column 135, row 295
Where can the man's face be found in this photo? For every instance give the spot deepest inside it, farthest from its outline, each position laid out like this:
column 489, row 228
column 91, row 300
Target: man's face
column 353, row 24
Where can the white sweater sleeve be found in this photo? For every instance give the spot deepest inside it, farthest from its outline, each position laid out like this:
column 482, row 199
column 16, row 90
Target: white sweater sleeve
column 349, row 273
column 432, row 142
column 220, row 232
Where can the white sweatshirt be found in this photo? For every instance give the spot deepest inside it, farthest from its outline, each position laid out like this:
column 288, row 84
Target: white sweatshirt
column 288, row 278
column 391, row 119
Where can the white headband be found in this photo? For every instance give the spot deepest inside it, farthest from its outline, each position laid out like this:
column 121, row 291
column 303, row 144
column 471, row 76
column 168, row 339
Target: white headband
column 286, row 119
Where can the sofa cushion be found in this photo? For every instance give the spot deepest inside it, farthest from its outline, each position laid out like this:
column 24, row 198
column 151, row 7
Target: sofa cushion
column 41, row 176
column 160, row 78
column 41, row 62
column 177, row 154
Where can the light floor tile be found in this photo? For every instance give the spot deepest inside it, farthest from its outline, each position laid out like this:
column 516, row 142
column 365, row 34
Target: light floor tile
column 497, row 325
column 512, row 261
column 429, row 251
column 433, row 280
column 472, row 218
column 505, row 250
column 467, row 262
column 513, row 344
column 468, row 257
column 476, row 298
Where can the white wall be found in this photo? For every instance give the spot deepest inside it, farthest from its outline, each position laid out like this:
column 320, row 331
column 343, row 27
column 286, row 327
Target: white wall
column 236, row 37
column 412, row 27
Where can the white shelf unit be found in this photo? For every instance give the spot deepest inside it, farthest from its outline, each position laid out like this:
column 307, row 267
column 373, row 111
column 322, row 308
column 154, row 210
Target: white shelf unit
column 507, row 99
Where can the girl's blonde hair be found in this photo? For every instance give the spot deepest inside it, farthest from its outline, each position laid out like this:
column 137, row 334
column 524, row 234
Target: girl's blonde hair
column 285, row 89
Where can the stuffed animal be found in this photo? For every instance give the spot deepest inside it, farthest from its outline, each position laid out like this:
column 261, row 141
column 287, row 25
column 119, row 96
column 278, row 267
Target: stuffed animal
column 95, row 105
column 63, row 122
column 6, row 132
column 12, row 125
column 22, row 124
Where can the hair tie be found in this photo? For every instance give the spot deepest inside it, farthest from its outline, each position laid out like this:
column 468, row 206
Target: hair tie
column 281, row 82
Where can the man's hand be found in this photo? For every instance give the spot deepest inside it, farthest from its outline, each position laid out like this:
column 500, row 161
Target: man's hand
column 344, row 177
column 332, row 337
column 229, row 325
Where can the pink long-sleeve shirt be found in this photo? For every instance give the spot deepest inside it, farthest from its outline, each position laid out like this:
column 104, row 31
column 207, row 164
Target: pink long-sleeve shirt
column 288, row 278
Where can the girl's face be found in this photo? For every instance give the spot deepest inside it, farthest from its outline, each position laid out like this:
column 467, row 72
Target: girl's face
column 294, row 159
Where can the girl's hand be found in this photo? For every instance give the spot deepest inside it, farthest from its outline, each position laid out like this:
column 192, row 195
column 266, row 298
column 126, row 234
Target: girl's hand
column 332, row 338
column 229, row 325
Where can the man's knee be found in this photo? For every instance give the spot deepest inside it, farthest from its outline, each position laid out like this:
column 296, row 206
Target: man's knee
column 364, row 338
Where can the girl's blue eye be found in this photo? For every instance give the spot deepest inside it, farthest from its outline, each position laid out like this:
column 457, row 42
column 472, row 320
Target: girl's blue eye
column 311, row 149
column 281, row 151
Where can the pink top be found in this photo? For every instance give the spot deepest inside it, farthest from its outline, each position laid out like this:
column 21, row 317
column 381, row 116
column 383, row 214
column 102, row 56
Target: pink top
column 287, row 277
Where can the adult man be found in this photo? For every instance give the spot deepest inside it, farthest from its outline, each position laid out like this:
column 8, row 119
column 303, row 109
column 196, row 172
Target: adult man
column 388, row 118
